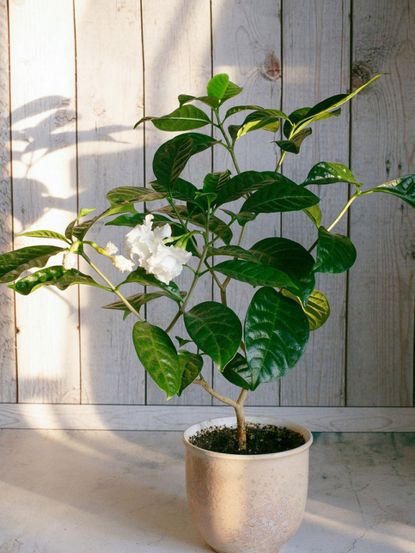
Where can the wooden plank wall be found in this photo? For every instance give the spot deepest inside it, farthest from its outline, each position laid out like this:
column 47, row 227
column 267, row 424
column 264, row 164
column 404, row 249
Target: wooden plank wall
column 74, row 78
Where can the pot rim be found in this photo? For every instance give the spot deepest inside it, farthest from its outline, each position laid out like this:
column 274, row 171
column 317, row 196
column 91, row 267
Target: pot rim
column 231, row 421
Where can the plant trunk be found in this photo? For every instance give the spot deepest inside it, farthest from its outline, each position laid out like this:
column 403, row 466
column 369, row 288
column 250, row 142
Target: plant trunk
column 241, row 427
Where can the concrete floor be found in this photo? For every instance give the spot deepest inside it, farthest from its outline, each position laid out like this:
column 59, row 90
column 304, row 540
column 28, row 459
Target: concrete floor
column 123, row 492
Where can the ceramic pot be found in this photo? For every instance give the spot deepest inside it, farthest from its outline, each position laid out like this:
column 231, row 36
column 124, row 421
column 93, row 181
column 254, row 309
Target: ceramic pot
column 247, row 503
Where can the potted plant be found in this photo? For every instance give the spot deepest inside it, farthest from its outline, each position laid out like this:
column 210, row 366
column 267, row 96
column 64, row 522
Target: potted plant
column 246, row 481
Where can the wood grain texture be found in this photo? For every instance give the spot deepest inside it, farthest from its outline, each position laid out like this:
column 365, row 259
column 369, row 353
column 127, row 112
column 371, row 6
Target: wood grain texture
column 316, row 66
column 247, row 46
column 44, row 189
column 177, row 55
column 382, row 284
column 178, row 417
column 7, row 322
column 110, row 101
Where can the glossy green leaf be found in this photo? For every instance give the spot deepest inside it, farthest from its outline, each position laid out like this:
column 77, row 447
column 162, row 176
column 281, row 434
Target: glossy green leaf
column 245, row 182
column 233, row 251
column 137, row 301
column 134, row 219
column 403, row 188
column 290, row 257
column 264, row 119
column 255, row 274
column 210, row 101
column 44, row 234
column 132, row 194
column 286, row 196
column 215, row 329
column 13, row 264
column 328, row 173
column 237, row 109
column 231, row 90
column 180, row 190
column 335, row 253
column 276, row 332
column 294, row 144
column 84, row 211
column 294, row 118
column 158, row 356
column 317, row 308
column 314, row 214
column 53, row 276
column 218, row 85
column 238, row 373
column 141, row 277
column 184, row 118
column 78, row 230
column 172, row 156
column 182, row 341
column 191, row 364
column 213, row 182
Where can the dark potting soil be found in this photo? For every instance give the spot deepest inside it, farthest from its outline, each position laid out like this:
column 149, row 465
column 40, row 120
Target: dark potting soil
column 259, row 438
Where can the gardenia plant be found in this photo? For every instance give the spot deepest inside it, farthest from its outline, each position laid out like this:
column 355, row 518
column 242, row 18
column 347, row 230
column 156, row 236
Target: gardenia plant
column 180, row 225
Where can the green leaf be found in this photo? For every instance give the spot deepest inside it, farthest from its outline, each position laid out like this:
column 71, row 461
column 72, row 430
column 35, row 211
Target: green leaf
column 134, row 219
column 84, row 211
column 238, row 373
column 53, row 276
column 233, row 251
column 291, row 258
column 182, row 341
column 286, row 196
column 132, row 194
column 255, row 274
column 180, row 190
column 12, row 264
column 44, row 234
column 245, row 182
column 172, row 156
column 335, row 253
column 213, row 182
column 403, row 188
column 236, row 109
column 327, row 172
column 276, row 332
column 314, row 214
column 207, row 100
column 215, row 329
column 218, row 85
column 317, row 308
column 78, row 230
column 141, row 277
column 184, row 118
column 231, row 90
column 158, row 356
column 137, row 301
column 264, row 119
column 191, row 364
column 293, row 146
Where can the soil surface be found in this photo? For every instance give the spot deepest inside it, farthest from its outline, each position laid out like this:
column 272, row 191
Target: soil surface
column 260, row 439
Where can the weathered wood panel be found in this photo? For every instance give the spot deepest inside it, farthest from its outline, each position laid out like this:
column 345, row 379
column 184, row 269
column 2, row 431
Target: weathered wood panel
column 177, row 55
column 316, row 66
column 247, row 46
column 382, row 284
column 110, row 154
column 44, row 188
column 7, row 323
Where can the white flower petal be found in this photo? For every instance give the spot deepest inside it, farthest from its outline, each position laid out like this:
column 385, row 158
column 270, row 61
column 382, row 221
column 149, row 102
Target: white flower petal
column 69, row 261
column 122, row 263
column 111, row 249
column 167, row 263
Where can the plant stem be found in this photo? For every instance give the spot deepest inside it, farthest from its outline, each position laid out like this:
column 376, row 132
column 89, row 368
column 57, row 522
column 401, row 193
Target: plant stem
column 240, row 419
column 279, row 163
column 224, row 399
column 230, row 146
column 343, row 211
column 112, row 287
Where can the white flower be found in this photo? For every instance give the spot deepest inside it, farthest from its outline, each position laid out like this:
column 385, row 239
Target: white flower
column 69, row 260
column 167, row 263
column 122, row 263
column 111, row 249
column 146, row 244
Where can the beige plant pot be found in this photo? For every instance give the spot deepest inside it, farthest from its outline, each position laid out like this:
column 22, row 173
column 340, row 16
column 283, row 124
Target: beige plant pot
column 247, row 503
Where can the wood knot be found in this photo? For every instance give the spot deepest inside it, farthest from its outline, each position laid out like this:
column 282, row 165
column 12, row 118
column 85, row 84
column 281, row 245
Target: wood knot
column 361, row 73
column 271, row 68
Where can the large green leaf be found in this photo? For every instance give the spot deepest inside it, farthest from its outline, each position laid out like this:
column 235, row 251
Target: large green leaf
column 403, row 188
column 180, row 190
column 12, row 264
column 327, row 172
column 237, row 109
column 53, row 276
column 215, row 329
column 317, row 308
column 290, row 257
column 294, row 144
column 134, row 219
column 137, row 301
column 213, row 182
column 172, row 156
column 158, row 356
column 50, row 234
column 184, row 118
column 141, row 277
column 314, row 214
column 191, row 365
column 335, row 252
column 255, row 274
column 284, row 196
column 78, row 230
column 276, row 332
column 132, row 194
column 210, row 101
column 246, row 182
column 231, row 90
column 264, row 119
column 238, row 373
column 218, row 85
column 233, row 251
